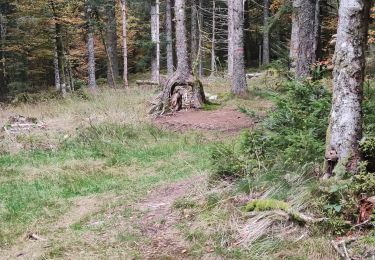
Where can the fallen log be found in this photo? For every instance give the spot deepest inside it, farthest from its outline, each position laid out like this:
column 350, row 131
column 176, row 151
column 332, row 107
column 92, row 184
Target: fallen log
column 147, row 83
column 253, row 75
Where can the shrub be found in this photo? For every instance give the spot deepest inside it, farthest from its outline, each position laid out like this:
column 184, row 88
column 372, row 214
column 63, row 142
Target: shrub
column 284, row 152
column 368, row 150
column 294, row 132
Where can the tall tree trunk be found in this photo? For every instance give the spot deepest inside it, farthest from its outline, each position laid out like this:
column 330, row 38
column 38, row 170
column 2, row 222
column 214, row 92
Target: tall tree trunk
column 124, row 43
column 230, row 38
column 69, row 73
column 155, row 32
column 90, row 48
column 303, row 40
column 345, row 130
column 56, row 69
column 168, row 26
column 181, row 90
column 60, row 49
column 266, row 33
column 200, row 24
column 2, row 55
column 239, row 85
column 247, row 33
column 194, row 36
column 317, row 30
column 213, row 39
column 183, row 66
column 111, row 42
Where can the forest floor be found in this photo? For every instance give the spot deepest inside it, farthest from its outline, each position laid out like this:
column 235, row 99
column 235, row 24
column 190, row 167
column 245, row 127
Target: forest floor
column 98, row 178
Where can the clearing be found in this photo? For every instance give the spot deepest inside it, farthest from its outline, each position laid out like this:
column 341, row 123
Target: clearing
column 99, row 179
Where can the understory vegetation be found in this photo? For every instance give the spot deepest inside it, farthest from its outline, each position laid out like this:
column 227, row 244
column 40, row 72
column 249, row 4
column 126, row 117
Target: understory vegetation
column 264, row 198
column 279, row 167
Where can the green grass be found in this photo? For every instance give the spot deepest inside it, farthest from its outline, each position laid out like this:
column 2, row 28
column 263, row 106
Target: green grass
column 109, row 158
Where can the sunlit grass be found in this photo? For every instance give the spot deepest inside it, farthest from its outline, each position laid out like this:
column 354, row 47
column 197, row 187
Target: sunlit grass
column 101, row 159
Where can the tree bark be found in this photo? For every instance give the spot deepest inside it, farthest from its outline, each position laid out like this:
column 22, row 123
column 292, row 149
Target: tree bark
column 124, row 43
column 345, row 130
column 56, row 69
column 181, row 90
column 194, row 36
column 266, row 34
column 90, row 48
column 59, row 49
column 69, row 73
column 200, row 24
column 317, row 30
column 303, row 39
column 168, row 26
column 213, row 39
column 155, row 32
column 183, row 66
column 239, row 85
column 230, row 38
column 2, row 55
column 111, row 43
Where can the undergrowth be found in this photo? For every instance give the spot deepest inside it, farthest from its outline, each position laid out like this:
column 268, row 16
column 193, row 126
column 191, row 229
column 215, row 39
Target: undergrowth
column 283, row 157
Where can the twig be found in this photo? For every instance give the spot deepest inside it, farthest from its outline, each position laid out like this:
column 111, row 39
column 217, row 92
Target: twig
column 335, row 246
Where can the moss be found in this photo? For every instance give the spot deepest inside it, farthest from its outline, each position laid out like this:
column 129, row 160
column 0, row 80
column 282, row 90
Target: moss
column 266, row 204
column 211, row 106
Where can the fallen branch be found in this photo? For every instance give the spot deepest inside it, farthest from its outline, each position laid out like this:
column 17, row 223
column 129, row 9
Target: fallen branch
column 344, row 252
column 147, row 83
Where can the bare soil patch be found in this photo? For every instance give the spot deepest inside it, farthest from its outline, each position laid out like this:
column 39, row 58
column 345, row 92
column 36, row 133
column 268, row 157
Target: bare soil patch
column 226, row 120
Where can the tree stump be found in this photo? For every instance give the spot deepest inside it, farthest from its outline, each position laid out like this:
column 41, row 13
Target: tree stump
column 179, row 93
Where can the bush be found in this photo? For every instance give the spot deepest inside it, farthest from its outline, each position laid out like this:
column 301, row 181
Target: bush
column 101, row 81
column 368, row 150
column 284, row 152
column 79, row 84
column 35, row 98
column 294, row 132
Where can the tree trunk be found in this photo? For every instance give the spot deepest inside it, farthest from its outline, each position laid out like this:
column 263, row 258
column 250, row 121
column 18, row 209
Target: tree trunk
column 2, row 56
column 194, row 36
column 90, row 48
column 69, row 73
column 155, row 32
column 124, row 42
column 111, row 42
column 249, row 47
column 303, row 40
column 183, row 66
column 317, row 30
column 56, row 69
column 230, row 38
column 91, row 60
column 60, row 58
column 168, row 26
column 345, row 130
column 200, row 24
column 239, row 85
column 181, row 90
column 59, row 50
column 213, row 39
column 266, row 34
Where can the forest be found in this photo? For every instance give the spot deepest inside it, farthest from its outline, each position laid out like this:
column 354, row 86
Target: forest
column 187, row 129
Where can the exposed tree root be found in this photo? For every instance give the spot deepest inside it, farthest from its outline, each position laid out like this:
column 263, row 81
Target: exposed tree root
column 180, row 92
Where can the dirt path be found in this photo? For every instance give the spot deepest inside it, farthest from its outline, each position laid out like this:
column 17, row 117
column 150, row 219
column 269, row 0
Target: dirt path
column 159, row 221
column 227, row 120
